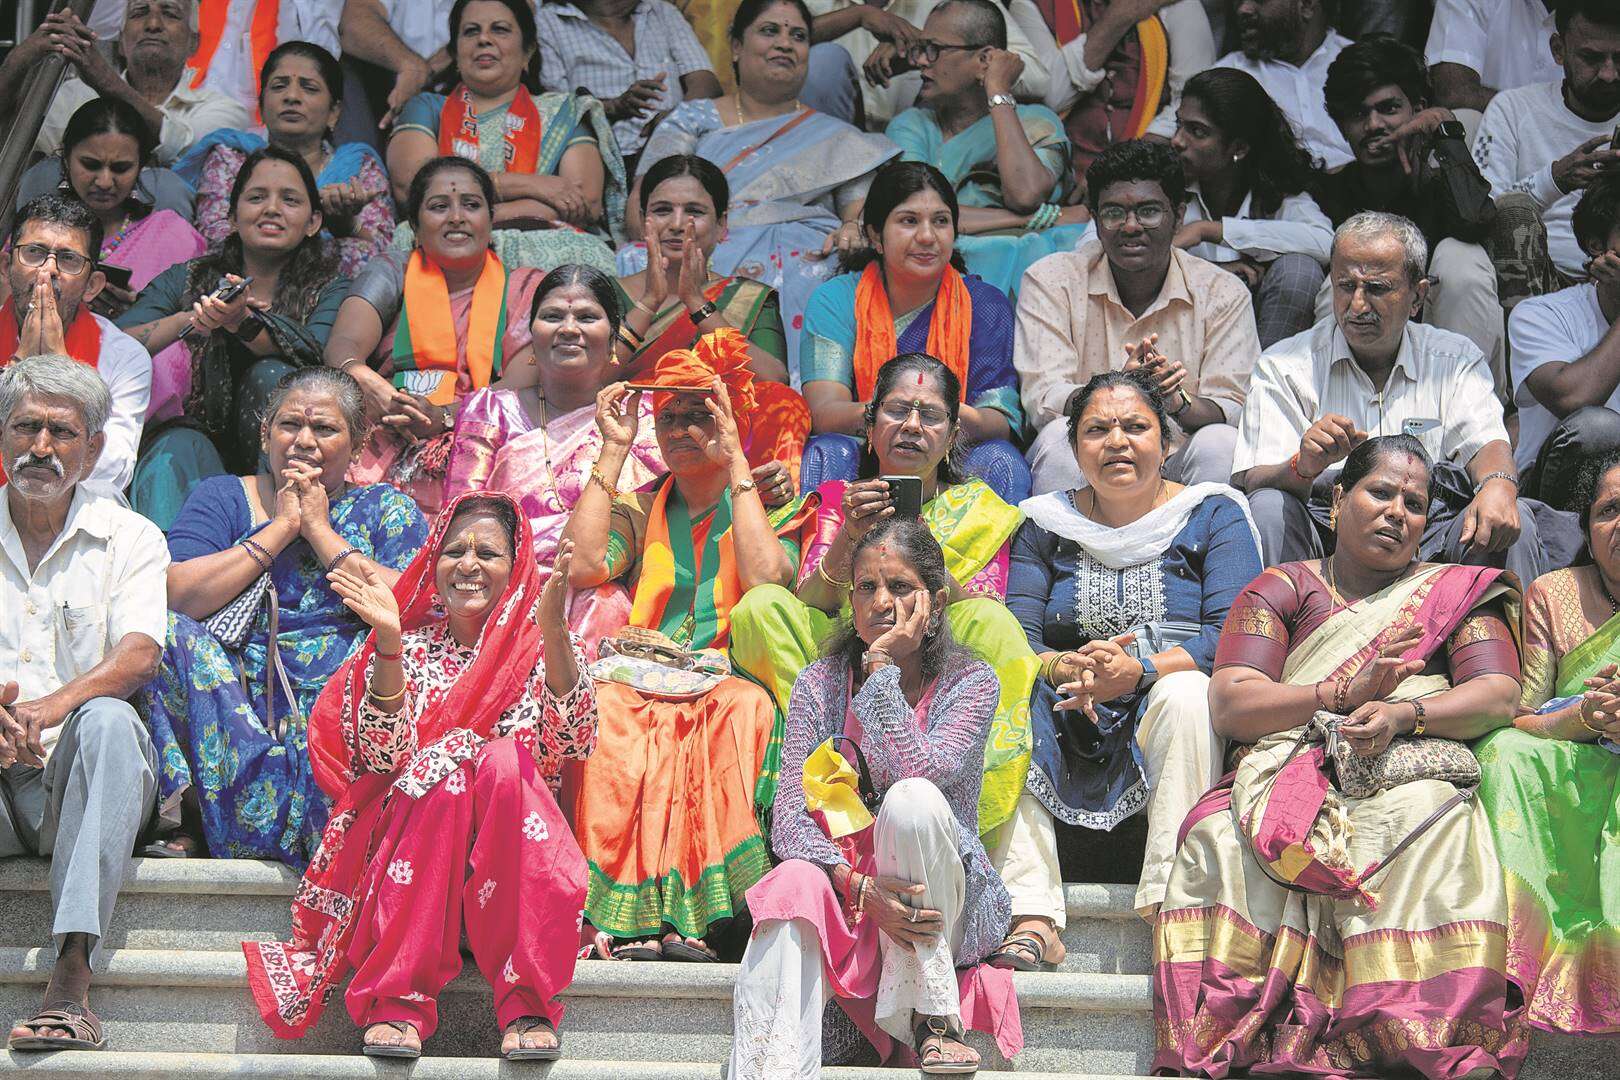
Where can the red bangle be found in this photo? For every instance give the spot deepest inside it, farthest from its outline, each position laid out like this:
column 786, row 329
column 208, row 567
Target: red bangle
column 390, row 655
column 1293, row 467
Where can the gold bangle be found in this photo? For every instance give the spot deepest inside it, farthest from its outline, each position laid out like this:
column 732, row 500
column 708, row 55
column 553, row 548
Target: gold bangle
column 379, row 699
column 821, row 569
column 601, row 481
column 1581, row 712
column 642, row 307
column 1422, row 720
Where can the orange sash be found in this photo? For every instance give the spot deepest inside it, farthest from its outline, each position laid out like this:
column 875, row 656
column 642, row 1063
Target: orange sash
column 1069, row 22
column 424, row 353
column 875, row 341
column 262, row 32
column 458, row 130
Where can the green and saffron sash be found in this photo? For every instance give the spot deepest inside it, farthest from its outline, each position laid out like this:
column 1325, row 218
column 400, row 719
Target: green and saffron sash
column 425, row 347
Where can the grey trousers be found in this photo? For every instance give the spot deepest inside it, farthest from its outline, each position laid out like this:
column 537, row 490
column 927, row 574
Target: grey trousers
column 832, row 82
column 1205, row 456
column 84, row 809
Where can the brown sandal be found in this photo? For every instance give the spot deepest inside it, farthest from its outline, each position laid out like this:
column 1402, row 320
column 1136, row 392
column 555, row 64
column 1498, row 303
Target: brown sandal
column 933, row 1037
column 527, row 1025
column 1021, row 951
column 83, row 1029
column 394, row 1050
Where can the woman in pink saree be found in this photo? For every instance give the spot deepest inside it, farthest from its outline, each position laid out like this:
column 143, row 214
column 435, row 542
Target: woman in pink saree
column 535, row 437
column 1307, row 932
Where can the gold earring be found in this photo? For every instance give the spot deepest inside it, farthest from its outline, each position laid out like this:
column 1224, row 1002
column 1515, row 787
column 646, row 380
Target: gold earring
column 1333, row 517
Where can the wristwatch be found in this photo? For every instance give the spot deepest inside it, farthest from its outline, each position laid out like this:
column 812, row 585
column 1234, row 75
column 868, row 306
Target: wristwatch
column 249, row 328
column 1452, row 129
column 1150, row 674
column 702, row 313
column 1002, row 99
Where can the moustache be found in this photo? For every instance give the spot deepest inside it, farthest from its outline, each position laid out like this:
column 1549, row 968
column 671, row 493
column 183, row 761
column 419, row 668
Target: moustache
column 30, row 459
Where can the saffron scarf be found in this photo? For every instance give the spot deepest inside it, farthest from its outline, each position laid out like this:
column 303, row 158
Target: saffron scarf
column 424, row 354
column 83, row 338
column 292, row 981
column 458, row 130
column 1069, row 22
column 211, row 19
column 949, row 329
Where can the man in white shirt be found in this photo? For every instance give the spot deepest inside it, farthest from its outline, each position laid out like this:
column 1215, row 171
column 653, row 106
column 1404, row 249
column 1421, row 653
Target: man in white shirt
column 1478, row 48
column 157, row 39
column 408, row 39
column 83, row 615
column 878, row 38
column 1370, row 370
column 1287, row 46
column 52, row 276
column 1540, row 145
column 230, row 55
column 1566, row 362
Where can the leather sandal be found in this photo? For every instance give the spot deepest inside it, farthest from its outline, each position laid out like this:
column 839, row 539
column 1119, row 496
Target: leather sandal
column 934, row 1040
column 394, row 1050
column 1022, row 951
column 83, row 1029
column 527, row 1025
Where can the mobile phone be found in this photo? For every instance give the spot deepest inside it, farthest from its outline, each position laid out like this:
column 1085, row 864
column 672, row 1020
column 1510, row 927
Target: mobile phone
column 116, row 275
column 1614, row 142
column 905, row 493
column 224, row 291
column 654, row 388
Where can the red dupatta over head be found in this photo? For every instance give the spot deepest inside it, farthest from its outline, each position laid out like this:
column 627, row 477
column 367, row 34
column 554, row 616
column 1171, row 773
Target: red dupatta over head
column 292, row 981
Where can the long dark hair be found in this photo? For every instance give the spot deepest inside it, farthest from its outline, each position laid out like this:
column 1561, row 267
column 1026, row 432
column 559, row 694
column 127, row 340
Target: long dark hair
column 892, row 185
column 310, row 270
column 601, row 285
column 109, row 116
column 523, row 15
column 917, row 546
column 952, row 468
column 1277, row 165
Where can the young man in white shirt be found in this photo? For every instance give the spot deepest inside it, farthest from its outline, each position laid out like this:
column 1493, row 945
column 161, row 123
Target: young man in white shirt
column 1540, row 145
column 1369, row 370
column 52, row 277
column 1479, row 48
column 83, row 615
column 1288, row 45
column 1566, row 362
column 157, row 39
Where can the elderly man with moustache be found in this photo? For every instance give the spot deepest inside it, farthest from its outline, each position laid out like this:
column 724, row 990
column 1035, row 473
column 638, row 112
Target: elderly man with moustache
column 1370, row 370
column 83, row 609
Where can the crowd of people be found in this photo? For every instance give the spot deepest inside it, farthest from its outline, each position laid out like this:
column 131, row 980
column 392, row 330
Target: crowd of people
column 849, row 453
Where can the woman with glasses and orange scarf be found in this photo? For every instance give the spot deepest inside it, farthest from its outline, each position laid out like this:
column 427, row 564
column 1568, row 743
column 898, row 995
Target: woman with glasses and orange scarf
column 912, row 297
column 667, row 805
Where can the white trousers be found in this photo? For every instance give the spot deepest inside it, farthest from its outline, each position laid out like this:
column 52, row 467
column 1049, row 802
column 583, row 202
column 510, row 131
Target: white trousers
column 782, row 989
column 1182, row 756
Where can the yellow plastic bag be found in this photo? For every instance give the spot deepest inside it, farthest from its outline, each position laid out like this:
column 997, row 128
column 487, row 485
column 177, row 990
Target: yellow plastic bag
column 832, row 793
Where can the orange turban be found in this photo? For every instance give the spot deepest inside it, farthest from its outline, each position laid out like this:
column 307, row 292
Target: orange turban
column 723, row 353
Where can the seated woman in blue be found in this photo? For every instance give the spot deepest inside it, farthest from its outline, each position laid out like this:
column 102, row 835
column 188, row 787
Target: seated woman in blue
column 910, row 295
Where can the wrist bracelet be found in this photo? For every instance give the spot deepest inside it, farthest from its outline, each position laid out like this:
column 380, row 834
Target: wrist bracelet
column 337, row 559
column 380, row 699
column 642, row 307
column 260, row 556
column 821, row 569
column 1587, row 724
column 1293, row 467
column 602, row 482
column 389, row 655
column 1341, row 691
column 1500, row 474
column 1316, row 692
column 1422, row 720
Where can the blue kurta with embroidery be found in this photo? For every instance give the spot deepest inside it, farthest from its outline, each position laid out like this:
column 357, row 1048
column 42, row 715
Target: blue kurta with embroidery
column 1064, row 597
column 206, row 707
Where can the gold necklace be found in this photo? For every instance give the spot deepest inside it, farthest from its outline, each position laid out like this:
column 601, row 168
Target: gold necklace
column 737, row 104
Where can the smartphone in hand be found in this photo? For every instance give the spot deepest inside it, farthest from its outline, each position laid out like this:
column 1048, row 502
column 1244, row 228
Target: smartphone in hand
column 905, row 493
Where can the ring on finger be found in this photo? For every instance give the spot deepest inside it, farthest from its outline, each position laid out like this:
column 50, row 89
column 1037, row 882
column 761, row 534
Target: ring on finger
column 911, row 914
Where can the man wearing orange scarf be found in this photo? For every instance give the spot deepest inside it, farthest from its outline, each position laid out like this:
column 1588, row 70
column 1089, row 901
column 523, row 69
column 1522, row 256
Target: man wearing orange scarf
column 52, row 277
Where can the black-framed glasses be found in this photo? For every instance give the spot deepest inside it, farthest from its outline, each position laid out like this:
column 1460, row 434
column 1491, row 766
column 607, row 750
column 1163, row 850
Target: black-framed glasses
column 68, row 261
column 1148, row 215
column 927, row 52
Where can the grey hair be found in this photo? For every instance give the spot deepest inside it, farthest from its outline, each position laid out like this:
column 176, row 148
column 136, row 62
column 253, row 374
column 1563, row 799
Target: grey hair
column 341, row 385
column 1376, row 225
column 57, row 376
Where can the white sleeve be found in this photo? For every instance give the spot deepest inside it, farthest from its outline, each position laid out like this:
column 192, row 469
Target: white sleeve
column 127, row 370
column 1299, row 227
column 1496, row 152
column 211, row 113
column 1274, row 415
column 1060, row 89
column 1192, row 49
column 315, row 21
column 1537, row 336
column 1034, row 81
column 139, row 603
column 1457, row 35
column 1477, row 419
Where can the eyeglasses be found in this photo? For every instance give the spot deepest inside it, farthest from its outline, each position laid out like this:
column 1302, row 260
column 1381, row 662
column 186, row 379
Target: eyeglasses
column 898, row 412
column 68, row 261
column 927, row 52
column 1148, row 215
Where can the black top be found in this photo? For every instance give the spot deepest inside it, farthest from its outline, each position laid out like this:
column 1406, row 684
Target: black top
column 1446, row 195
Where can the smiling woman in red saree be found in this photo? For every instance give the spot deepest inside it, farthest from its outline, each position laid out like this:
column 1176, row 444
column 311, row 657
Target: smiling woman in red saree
column 1306, row 932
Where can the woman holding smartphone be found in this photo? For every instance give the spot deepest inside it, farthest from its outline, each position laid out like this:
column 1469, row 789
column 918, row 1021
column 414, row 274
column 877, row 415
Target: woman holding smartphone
column 912, row 462
column 224, row 328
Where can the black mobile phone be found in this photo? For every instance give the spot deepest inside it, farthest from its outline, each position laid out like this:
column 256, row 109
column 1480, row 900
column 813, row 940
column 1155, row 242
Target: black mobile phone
column 224, row 291
column 1614, row 143
column 116, row 275
column 905, row 492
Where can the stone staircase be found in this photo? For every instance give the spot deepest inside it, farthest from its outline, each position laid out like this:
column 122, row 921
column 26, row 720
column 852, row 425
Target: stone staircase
column 174, row 997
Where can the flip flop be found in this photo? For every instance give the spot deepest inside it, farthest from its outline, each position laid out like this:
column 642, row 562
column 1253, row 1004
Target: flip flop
column 381, row 1050
column 533, row 1053
column 638, row 950
column 82, row 1025
column 1023, row 951
column 688, row 953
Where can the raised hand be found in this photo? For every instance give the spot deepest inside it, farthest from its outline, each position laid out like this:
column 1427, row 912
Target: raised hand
column 1001, row 72
column 618, row 414
column 775, row 483
column 314, row 512
column 411, row 80
column 1327, row 442
column 1379, row 677
column 42, row 333
column 641, row 99
column 910, row 627
column 554, row 596
column 694, row 270
column 866, row 502
column 363, row 592
column 726, row 446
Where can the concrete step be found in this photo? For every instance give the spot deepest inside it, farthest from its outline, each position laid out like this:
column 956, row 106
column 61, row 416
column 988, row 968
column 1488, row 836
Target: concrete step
column 211, row 905
column 197, row 1002
column 153, row 1066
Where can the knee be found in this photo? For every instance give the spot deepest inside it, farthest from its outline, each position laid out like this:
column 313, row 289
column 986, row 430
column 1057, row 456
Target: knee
column 259, row 380
column 912, row 806
column 1467, row 266
column 1591, row 429
column 830, row 63
column 1272, row 507
column 1294, row 277
column 1185, row 695
column 500, row 763
column 108, row 723
column 1209, row 453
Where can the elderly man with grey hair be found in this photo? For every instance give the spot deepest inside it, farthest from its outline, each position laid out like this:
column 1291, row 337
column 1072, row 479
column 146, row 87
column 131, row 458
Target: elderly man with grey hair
column 83, row 612
column 1367, row 370
column 157, row 39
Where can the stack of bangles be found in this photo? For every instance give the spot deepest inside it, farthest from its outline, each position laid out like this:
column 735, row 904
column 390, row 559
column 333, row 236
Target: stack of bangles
column 1045, row 216
column 821, row 571
column 389, row 699
column 260, row 556
column 1049, row 669
column 855, row 898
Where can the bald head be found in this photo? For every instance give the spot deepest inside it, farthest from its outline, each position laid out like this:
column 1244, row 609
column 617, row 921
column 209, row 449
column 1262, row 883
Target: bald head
column 979, row 22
